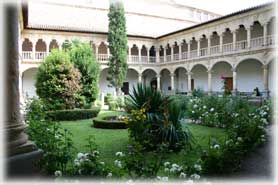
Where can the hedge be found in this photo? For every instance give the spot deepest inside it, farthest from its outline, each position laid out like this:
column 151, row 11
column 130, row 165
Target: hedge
column 107, row 124
column 73, row 114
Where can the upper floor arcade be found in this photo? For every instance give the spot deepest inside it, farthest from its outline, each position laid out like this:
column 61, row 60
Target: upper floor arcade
column 243, row 32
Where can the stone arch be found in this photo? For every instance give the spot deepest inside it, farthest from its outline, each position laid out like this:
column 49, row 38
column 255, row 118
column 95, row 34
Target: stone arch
column 28, row 82
column 53, row 44
column 196, row 64
column 199, row 77
column 134, row 68
column 249, row 75
column 102, row 48
column 150, row 68
column 178, row 67
column 181, row 80
column 223, row 61
column 165, row 68
column 248, row 58
column 27, row 45
column 40, row 46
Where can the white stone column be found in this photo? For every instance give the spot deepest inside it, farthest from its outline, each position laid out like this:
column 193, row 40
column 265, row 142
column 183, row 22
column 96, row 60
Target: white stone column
column 34, row 41
column 97, row 51
column 209, row 82
column 188, row 49
column 139, row 54
column 165, row 48
column 248, row 37
column 189, row 83
column 157, row 55
column 108, row 52
column 140, row 78
column 129, row 54
column 158, row 82
column 148, row 55
column 198, row 47
column 221, row 42
column 47, row 42
column 265, row 34
column 265, row 80
column 209, row 44
column 234, row 40
column 180, row 51
column 172, row 82
column 172, row 52
column 234, row 81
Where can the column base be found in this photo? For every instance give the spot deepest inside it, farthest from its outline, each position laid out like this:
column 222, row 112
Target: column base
column 265, row 93
column 189, row 93
column 24, row 164
column 234, row 92
column 209, row 93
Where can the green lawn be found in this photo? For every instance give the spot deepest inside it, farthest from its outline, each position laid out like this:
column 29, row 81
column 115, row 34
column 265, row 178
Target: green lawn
column 111, row 141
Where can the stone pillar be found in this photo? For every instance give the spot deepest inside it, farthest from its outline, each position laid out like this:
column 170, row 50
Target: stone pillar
column 157, row 55
column 234, row 81
column 140, row 78
column 248, row 37
column 21, row 154
column 265, row 34
column 198, row 47
column 108, row 52
column 158, row 82
column 209, row 45
column 188, row 50
column 139, row 54
column 172, row 82
column 221, row 42
column 129, row 54
column 148, row 55
column 180, row 51
column 47, row 42
column 172, row 53
column 234, row 40
column 209, row 82
column 265, row 79
column 33, row 48
column 189, row 83
column 165, row 54
column 97, row 51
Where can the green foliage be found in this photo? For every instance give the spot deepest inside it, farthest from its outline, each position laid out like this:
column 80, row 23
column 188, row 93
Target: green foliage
column 117, row 39
column 82, row 57
column 55, row 142
column 74, row 114
column 154, row 119
column 58, row 82
column 198, row 93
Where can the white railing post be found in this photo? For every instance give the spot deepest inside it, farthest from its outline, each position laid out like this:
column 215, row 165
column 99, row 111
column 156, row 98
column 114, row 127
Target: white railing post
column 172, row 52
column 157, row 54
column 139, row 55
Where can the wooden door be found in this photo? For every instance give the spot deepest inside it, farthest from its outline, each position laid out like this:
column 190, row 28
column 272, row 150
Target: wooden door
column 125, row 88
column 229, row 82
column 192, row 84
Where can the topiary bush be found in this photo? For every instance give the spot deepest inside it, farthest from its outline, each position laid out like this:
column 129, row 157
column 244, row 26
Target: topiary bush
column 73, row 114
column 82, row 57
column 58, row 82
column 108, row 123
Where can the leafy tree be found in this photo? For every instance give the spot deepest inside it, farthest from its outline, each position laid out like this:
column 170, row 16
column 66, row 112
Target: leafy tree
column 117, row 39
column 82, row 57
column 58, row 82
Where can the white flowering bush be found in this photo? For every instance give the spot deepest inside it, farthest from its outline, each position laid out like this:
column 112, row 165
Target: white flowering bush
column 89, row 164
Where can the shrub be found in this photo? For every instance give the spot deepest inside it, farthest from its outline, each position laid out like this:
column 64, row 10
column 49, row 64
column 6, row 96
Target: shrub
column 55, row 142
column 73, row 114
column 82, row 57
column 154, row 120
column 198, row 93
column 58, row 82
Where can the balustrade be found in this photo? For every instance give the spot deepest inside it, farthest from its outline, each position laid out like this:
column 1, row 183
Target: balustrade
column 241, row 45
column 27, row 55
column 152, row 59
column 193, row 53
column 214, row 49
column 227, row 47
column 184, row 55
column 40, row 55
column 176, row 56
column 257, row 42
column 203, row 51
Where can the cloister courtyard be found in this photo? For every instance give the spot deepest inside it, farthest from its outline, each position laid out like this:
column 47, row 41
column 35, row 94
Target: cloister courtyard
column 184, row 98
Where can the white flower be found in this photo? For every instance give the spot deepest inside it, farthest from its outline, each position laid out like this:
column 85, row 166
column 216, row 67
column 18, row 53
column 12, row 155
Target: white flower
column 119, row 154
column 216, row 146
column 166, row 164
column 164, row 178
column 198, row 167
column 158, row 177
column 109, row 175
column 172, row 170
column 166, row 169
column 195, row 106
column 195, row 176
column 212, row 109
column 175, row 165
column 204, row 107
column 95, row 153
column 193, row 112
column 118, row 163
column 80, row 171
column 58, row 173
column 182, row 175
column 262, row 136
column 80, row 155
column 102, row 163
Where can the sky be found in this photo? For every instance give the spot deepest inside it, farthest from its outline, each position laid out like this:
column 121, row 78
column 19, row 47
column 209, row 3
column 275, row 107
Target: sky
column 223, row 7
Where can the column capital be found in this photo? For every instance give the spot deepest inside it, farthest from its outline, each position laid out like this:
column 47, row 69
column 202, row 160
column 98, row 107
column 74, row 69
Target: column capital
column 172, row 74
column 157, row 76
column 265, row 66
column 234, row 69
column 209, row 71
column 189, row 73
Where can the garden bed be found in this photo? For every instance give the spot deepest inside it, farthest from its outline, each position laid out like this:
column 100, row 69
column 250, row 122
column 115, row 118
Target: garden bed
column 109, row 121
